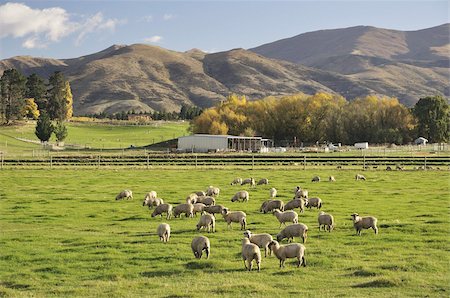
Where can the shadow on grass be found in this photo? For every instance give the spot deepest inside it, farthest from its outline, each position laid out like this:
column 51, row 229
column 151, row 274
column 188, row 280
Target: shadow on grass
column 378, row 283
column 178, row 296
column 162, row 273
column 11, row 285
column 135, row 217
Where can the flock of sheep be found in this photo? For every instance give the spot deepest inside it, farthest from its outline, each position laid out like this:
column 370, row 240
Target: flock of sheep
column 204, row 202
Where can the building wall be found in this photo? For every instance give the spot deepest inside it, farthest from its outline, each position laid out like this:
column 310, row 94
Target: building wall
column 202, row 143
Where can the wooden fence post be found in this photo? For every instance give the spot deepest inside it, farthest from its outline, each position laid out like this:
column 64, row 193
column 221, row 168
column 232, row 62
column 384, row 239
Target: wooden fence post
column 425, row 163
column 304, row 162
column 364, row 162
column 51, row 161
column 195, row 160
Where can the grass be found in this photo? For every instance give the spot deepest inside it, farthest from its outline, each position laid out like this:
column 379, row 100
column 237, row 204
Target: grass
column 62, row 234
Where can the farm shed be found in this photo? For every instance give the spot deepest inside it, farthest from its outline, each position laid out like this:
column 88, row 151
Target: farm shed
column 420, row 141
column 205, row 143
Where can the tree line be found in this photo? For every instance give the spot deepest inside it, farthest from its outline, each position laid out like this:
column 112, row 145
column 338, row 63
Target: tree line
column 323, row 117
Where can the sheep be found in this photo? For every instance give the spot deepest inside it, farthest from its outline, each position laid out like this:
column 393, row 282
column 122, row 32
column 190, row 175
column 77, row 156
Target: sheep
column 332, row 179
column 212, row 191
column 272, row 192
column 250, row 181
column 326, row 220
column 263, row 205
column 286, row 216
column 214, row 209
column 293, row 250
column 360, row 177
column 273, row 204
column 262, row 240
column 315, row 179
column 207, row 221
column 235, row 216
column 150, row 202
column 388, row 168
column 250, row 252
column 295, row 230
column 295, row 203
column 192, row 198
column 237, row 181
column 187, row 209
column 313, row 202
column 263, row 181
column 151, row 195
column 240, row 196
column 198, row 207
column 200, row 244
column 364, row 223
column 301, row 193
column 124, row 194
column 200, row 193
column 296, row 189
column 208, row 201
column 163, row 231
column 160, row 209
column 399, row 168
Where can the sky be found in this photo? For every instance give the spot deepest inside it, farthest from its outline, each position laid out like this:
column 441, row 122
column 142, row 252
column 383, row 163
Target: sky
column 73, row 28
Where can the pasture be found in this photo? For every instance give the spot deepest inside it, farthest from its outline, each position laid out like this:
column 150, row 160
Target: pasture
column 63, row 234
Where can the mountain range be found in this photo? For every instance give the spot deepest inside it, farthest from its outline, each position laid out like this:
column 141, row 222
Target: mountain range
column 353, row 62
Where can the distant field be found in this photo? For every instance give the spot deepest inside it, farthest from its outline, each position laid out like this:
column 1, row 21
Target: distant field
column 63, row 234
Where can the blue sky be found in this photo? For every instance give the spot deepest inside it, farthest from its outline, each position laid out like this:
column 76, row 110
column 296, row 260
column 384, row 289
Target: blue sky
column 68, row 29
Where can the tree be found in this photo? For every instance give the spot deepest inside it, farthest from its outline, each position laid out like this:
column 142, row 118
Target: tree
column 60, row 131
column 35, row 88
column 12, row 95
column 59, row 104
column 30, row 109
column 44, row 127
column 433, row 116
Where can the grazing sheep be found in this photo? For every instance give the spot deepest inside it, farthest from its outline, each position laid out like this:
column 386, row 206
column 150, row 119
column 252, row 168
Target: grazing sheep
column 262, row 240
column 293, row 250
column 250, row 181
column 296, row 189
column 163, row 208
column 332, row 179
column 187, row 209
column 295, row 230
column 240, row 196
column 200, row 244
column 286, row 216
column 360, row 177
column 207, row 221
column 151, row 195
column 366, row 222
column 326, row 220
column 163, row 231
column 150, row 202
column 200, row 193
column 301, row 193
column 208, row 201
column 199, row 207
column 399, row 168
column 272, row 193
column 315, row 179
column 263, row 205
column 235, row 216
column 124, row 194
column 250, row 252
column 214, row 209
column 295, row 203
column 212, row 191
column 192, row 198
column 388, row 168
column 273, row 204
column 313, row 202
column 237, row 181
column 263, row 181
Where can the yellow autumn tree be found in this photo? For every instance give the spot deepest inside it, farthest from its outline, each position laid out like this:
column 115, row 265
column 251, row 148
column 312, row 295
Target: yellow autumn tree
column 30, row 109
column 69, row 100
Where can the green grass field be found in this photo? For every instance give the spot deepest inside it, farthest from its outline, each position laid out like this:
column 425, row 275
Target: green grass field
column 63, row 234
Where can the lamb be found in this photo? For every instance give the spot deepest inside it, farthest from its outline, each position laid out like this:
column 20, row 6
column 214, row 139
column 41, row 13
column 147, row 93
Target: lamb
column 214, row 209
column 286, row 216
column 125, row 194
column 198, row 207
column 263, row 181
column 295, row 230
column 366, row 222
column 192, row 198
column 240, row 196
column 200, row 244
column 208, row 201
column 315, row 179
column 295, row 203
column 293, row 250
column 212, row 191
column 313, row 202
column 262, row 240
column 272, row 192
column 151, row 195
column 360, row 177
column 326, row 220
column 273, row 204
column 187, row 209
column 301, row 193
column 237, row 181
column 235, row 216
column 332, row 179
column 163, row 208
column 207, row 221
column 250, row 252
column 150, row 202
column 163, row 231
column 250, row 181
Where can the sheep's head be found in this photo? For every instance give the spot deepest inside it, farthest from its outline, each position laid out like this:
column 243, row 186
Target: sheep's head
column 276, row 210
column 279, row 237
column 247, row 234
column 355, row 217
column 273, row 243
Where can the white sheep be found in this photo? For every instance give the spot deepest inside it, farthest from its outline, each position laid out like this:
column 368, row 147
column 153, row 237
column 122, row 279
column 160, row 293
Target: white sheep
column 263, row 181
column 262, row 240
column 366, row 222
column 326, row 220
column 315, row 179
column 125, row 194
column 286, row 216
column 200, row 244
column 301, row 193
column 150, row 202
column 192, row 198
column 163, row 208
column 151, row 195
column 250, row 181
column 295, row 230
column 313, row 202
column 240, row 196
column 187, row 209
column 250, row 252
column 272, row 193
column 198, row 207
column 360, row 177
column 332, row 179
column 214, row 209
column 163, row 231
column 237, row 181
column 208, row 222
column 293, row 250
column 212, row 191
column 273, row 204
column 295, row 203
column 208, row 201
column 235, row 216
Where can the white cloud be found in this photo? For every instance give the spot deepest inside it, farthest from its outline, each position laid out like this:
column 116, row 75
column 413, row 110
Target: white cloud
column 153, row 39
column 168, row 16
column 148, row 19
column 95, row 23
column 34, row 43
